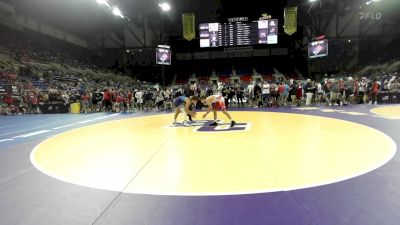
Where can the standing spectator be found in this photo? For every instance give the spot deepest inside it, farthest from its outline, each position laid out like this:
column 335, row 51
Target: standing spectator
column 335, row 93
column 309, row 89
column 139, row 99
column 148, row 102
column 224, row 94
column 285, row 93
column 129, row 100
column 257, row 93
column 192, row 89
column 342, row 91
column 250, row 93
column 33, row 101
column 93, row 100
column 349, row 90
column 167, row 94
column 376, row 85
column 292, row 91
column 299, row 93
column 281, row 91
column 318, row 92
column 99, row 99
column 274, row 93
column 120, row 104
column 239, row 96
column 210, row 92
column 266, row 93
column 362, row 90
column 65, row 97
column 107, row 100
column 231, row 94
column 160, row 100
column 8, row 99
column 356, row 90
column 114, row 94
column 85, row 102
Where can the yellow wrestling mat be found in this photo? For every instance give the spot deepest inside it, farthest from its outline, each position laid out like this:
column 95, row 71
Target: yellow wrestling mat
column 390, row 112
column 268, row 152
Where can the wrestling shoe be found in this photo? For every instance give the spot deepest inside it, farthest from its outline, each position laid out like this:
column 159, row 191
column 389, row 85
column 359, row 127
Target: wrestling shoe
column 187, row 123
column 214, row 124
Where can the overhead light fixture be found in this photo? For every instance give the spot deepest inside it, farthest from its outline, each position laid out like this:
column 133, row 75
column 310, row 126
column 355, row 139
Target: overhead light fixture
column 103, row 2
column 117, row 12
column 164, row 6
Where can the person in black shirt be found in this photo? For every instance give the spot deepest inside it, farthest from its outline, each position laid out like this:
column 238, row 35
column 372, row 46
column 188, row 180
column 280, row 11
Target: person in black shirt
column 210, row 92
column 239, row 96
column 99, row 100
column 231, row 93
column 147, row 98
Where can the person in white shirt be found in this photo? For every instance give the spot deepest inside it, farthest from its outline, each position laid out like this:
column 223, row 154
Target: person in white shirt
column 362, row 89
column 319, row 92
column 391, row 81
column 265, row 91
column 220, row 88
column 193, row 89
column 139, row 99
column 167, row 94
column 250, row 92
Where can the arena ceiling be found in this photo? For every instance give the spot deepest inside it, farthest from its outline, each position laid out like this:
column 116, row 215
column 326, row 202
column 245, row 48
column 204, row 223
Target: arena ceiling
column 85, row 17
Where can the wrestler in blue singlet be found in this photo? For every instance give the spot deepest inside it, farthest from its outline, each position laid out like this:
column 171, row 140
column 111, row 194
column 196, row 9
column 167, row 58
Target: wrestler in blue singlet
column 179, row 101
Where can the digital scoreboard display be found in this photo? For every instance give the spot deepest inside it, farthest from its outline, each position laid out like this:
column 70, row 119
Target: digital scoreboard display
column 238, row 33
column 318, row 48
column 163, row 55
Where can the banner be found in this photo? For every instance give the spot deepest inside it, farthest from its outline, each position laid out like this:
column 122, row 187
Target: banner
column 265, row 16
column 189, row 31
column 290, row 20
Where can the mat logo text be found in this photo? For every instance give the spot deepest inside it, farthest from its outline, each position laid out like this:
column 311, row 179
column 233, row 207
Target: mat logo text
column 204, row 126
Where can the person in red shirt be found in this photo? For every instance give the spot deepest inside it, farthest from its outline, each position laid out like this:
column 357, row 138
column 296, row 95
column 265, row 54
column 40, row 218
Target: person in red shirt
column 119, row 103
column 85, row 102
column 8, row 99
column 281, row 91
column 374, row 92
column 107, row 99
column 129, row 100
column 299, row 93
column 32, row 101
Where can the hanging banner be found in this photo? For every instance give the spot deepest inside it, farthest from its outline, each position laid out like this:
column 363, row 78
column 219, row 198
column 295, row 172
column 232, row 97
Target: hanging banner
column 189, row 31
column 290, row 20
column 265, row 16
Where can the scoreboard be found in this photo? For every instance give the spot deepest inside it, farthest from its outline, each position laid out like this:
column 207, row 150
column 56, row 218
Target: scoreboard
column 163, row 55
column 318, row 48
column 238, row 33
